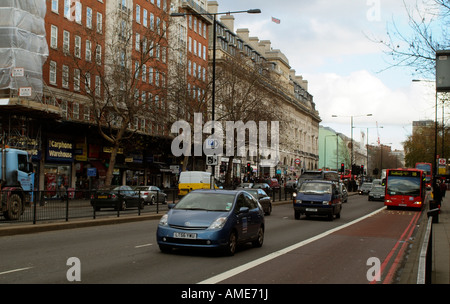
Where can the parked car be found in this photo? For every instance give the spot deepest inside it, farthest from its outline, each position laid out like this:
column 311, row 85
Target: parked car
column 377, row 193
column 246, row 185
column 263, row 199
column 151, row 193
column 263, row 186
column 214, row 219
column 315, row 197
column 273, row 183
column 117, row 197
column 291, row 184
column 365, row 188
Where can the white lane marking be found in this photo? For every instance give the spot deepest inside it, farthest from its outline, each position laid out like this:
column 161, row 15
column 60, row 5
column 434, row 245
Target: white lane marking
column 15, row 270
column 232, row 272
column 144, row 245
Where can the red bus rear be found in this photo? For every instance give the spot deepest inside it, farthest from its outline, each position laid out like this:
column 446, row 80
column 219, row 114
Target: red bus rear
column 428, row 172
column 405, row 188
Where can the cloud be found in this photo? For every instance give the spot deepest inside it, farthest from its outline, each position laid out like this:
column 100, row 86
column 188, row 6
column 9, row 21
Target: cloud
column 361, row 92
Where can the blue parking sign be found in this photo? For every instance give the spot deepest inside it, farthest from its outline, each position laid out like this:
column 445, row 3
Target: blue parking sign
column 91, row 171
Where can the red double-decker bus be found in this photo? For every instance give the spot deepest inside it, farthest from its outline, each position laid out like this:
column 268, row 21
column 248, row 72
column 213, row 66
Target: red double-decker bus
column 428, row 170
column 405, row 188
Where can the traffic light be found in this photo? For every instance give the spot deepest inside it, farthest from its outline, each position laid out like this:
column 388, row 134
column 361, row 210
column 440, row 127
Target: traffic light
column 249, row 168
column 342, row 168
column 362, row 169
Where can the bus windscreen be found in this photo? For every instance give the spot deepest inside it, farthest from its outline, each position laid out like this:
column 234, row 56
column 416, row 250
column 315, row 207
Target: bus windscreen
column 403, row 183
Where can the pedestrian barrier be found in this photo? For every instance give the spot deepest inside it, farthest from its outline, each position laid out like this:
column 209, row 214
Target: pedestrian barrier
column 426, row 252
column 64, row 205
column 74, row 204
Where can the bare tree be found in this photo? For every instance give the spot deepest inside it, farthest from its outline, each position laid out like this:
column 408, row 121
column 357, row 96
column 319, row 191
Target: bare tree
column 244, row 93
column 128, row 68
column 417, row 48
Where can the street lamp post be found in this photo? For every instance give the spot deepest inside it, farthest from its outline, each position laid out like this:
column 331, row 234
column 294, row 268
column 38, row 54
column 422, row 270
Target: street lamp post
column 213, row 90
column 351, row 116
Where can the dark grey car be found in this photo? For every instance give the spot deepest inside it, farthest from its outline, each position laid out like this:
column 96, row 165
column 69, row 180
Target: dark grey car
column 262, row 198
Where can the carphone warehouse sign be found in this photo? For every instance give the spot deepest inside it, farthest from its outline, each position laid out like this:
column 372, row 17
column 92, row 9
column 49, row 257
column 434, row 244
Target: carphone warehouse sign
column 59, row 150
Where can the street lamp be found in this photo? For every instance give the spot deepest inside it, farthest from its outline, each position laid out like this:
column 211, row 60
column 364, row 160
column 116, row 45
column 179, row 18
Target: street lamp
column 213, row 93
column 351, row 154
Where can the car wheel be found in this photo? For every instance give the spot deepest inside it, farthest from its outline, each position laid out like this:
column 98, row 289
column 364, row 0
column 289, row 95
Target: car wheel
column 230, row 249
column 153, row 200
column 260, row 238
column 269, row 211
column 123, row 207
column 297, row 214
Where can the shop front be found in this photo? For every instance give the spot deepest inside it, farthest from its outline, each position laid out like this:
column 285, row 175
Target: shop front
column 58, row 166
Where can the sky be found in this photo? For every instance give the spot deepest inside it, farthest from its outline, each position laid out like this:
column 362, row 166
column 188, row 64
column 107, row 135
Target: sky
column 331, row 44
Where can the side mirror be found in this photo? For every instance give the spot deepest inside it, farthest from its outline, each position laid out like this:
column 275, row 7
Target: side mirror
column 244, row 210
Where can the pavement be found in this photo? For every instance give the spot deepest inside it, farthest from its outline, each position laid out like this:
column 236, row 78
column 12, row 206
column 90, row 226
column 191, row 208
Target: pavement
column 440, row 263
column 409, row 270
column 441, row 245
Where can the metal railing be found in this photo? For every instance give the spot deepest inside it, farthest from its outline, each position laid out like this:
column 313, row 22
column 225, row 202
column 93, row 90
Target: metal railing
column 74, row 204
column 426, row 252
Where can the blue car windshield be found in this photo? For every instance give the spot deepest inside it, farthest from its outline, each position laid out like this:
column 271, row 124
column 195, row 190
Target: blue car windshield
column 315, row 188
column 206, row 201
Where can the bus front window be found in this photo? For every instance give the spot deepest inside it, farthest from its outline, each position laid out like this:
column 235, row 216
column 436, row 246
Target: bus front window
column 403, row 186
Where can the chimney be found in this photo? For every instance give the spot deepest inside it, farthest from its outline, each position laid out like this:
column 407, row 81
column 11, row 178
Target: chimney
column 228, row 20
column 213, row 7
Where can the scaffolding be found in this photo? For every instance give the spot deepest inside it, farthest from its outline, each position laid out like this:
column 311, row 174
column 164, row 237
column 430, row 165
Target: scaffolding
column 23, row 48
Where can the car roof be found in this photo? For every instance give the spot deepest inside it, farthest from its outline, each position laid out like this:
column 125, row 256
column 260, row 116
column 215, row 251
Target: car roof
column 318, row 181
column 217, row 191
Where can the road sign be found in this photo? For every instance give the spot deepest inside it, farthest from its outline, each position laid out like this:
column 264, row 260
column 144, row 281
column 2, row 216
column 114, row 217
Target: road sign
column 297, row 161
column 212, row 160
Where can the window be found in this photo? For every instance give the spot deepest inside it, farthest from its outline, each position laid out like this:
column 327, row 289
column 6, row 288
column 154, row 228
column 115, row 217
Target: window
column 98, row 86
column 87, row 82
column 52, row 72
column 77, row 51
column 98, row 54
column 99, row 23
column 150, row 75
column 66, row 42
column 65, row 76
column 67, row 9
column 137, row 42
column 54, row 37
column 55, row 6
column 88, row 17
column 76, row 110
column 87, row 113
column 76, row 80
column 88, row 50
column 138, row 14
column 152, row 21
column 144, row 73
column 144, row 17
column 78, row 9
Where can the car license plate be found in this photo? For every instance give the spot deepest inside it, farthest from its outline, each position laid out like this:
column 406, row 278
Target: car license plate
column 311, row 209
column 184, row 235
column 102, row 196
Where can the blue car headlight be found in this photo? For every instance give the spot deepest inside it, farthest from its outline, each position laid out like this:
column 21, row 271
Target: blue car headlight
column 163, row 220
column 218, row 223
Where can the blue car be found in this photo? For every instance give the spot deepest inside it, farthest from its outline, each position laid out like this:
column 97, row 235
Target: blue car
column 317, row 197
column 215, row 219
